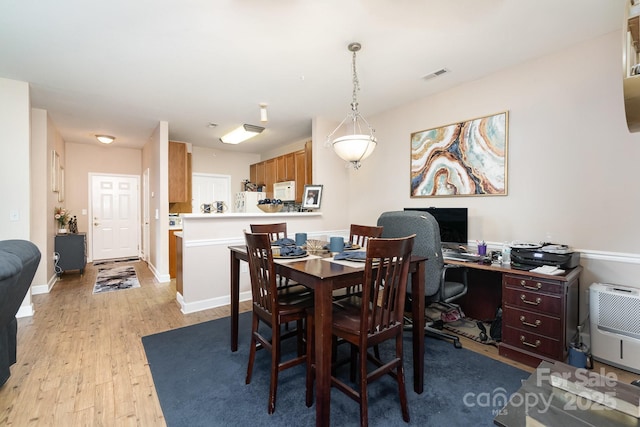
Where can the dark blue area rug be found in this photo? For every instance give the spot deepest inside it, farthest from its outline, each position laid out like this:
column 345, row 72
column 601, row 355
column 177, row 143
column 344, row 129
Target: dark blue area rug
column 200, row 382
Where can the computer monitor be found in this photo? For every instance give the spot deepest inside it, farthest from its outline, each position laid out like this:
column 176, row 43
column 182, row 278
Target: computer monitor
column 453, row 223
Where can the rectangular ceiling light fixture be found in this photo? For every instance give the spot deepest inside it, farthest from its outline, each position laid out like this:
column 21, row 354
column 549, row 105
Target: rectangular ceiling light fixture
column 240, row 134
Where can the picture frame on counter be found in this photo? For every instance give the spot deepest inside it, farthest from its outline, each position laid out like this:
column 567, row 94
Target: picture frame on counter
column 312, row 197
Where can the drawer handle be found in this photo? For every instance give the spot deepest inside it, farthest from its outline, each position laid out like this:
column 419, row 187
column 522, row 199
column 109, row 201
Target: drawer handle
column 523, row 297
column 533, row 325
column 524, row 341
column 537, row 287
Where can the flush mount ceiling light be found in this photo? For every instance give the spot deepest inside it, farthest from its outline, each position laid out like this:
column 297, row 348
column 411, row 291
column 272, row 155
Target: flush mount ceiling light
column 356, row 145
column 263, row 113
column 105, row 139
column 240, row 134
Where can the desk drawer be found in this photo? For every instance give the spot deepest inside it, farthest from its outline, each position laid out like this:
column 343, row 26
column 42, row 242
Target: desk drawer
column 532, row 342
column 532, row 284
column 532, row 300
column 530, row 321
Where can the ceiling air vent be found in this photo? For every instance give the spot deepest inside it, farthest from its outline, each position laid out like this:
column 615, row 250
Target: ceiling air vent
column 435, row 74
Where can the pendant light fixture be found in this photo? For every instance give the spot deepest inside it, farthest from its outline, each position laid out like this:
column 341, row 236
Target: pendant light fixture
column 356, row 145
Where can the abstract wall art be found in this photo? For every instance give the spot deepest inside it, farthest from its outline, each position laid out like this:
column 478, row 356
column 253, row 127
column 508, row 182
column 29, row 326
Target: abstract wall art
column 467, row 158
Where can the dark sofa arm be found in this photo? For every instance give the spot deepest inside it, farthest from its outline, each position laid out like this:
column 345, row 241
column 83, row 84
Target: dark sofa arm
column 19, row 261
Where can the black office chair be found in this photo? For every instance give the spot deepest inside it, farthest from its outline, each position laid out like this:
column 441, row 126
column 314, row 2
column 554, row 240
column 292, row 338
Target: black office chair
column 427, row 243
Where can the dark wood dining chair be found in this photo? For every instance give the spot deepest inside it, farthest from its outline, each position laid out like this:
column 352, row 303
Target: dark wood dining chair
column 279, row 231
column 274, row 309
column 275, row 231
column 378, row 318
column 359, row 234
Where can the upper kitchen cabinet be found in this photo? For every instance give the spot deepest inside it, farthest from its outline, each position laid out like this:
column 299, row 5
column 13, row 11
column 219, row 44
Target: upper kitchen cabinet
column 286, row 168
column 178, row 173
column 295, row 166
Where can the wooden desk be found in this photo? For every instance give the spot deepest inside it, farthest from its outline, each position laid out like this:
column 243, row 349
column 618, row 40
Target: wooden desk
column 539, row 312
column 324, row 277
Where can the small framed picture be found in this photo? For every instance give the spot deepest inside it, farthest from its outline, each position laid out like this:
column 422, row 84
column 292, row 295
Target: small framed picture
column 312, row 197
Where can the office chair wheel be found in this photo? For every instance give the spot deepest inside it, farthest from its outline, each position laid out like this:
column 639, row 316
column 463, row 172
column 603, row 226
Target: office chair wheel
column 483, row 331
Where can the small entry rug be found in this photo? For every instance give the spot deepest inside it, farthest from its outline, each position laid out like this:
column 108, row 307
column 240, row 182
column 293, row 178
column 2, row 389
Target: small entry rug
column 114, row 260
column 200, row 382
column 114, row 278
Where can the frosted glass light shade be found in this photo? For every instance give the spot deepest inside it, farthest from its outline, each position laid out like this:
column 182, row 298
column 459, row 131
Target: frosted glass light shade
column 354, row 148
column 242, row 133
column 105, row 139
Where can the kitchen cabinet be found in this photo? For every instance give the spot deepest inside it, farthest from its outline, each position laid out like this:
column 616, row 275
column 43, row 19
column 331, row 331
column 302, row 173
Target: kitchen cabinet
column 172, row 253
column 285, row 168
column 302, row 175
column 186, row 206
column 72, row 251
column 178, row 259
column 178, row 177
column 269, row 176
column 295, row 166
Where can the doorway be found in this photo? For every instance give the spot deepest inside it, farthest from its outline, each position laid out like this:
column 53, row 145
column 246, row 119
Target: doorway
column 115, row 216
column 209, row 188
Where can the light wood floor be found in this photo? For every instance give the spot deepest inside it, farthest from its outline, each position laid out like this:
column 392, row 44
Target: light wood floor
column 81, row 360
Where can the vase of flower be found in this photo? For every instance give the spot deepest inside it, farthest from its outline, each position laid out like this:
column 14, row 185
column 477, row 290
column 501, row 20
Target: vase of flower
column 62, row 217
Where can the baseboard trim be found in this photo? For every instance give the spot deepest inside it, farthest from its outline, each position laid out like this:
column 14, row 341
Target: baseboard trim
column 187, row 308
column 25, row 311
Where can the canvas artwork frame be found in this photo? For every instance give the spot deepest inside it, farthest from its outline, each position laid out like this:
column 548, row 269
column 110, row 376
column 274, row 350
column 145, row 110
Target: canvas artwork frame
column 312, row 197
column 55, row 166
column 466, row 158
column 61, row 184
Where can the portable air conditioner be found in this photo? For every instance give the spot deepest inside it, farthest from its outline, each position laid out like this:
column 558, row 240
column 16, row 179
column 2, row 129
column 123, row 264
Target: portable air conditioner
column 614, row 313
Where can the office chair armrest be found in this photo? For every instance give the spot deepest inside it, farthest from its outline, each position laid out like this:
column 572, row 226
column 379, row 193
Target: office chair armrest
column 447, row 267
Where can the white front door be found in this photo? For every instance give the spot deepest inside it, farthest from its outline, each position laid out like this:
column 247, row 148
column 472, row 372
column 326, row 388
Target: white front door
column 115, row 201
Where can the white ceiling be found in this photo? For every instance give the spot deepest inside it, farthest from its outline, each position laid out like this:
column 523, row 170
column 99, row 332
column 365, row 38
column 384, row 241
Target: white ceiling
column 121, row 66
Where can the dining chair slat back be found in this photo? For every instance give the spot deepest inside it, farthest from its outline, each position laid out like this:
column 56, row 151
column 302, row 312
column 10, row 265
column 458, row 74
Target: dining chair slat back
column 275, row 231
column 378, row 318
column 274, row 309
column 360, row 234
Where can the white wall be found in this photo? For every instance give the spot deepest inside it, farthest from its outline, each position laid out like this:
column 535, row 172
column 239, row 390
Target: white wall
column 212, row 161
column 155, row 156
column 15, row 179
column 15, row 166
column 571, row 161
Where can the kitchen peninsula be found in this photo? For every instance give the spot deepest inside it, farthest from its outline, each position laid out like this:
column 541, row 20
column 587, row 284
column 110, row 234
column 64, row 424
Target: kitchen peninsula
column 205, row 238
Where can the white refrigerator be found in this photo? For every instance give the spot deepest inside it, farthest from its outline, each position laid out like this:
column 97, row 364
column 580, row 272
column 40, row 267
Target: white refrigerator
column 247, row 201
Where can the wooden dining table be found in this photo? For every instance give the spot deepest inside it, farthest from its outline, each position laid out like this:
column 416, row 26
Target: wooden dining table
column 323, row 277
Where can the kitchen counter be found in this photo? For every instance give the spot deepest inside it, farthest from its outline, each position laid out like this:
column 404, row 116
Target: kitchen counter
column 261, row 215
column 205, row 243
